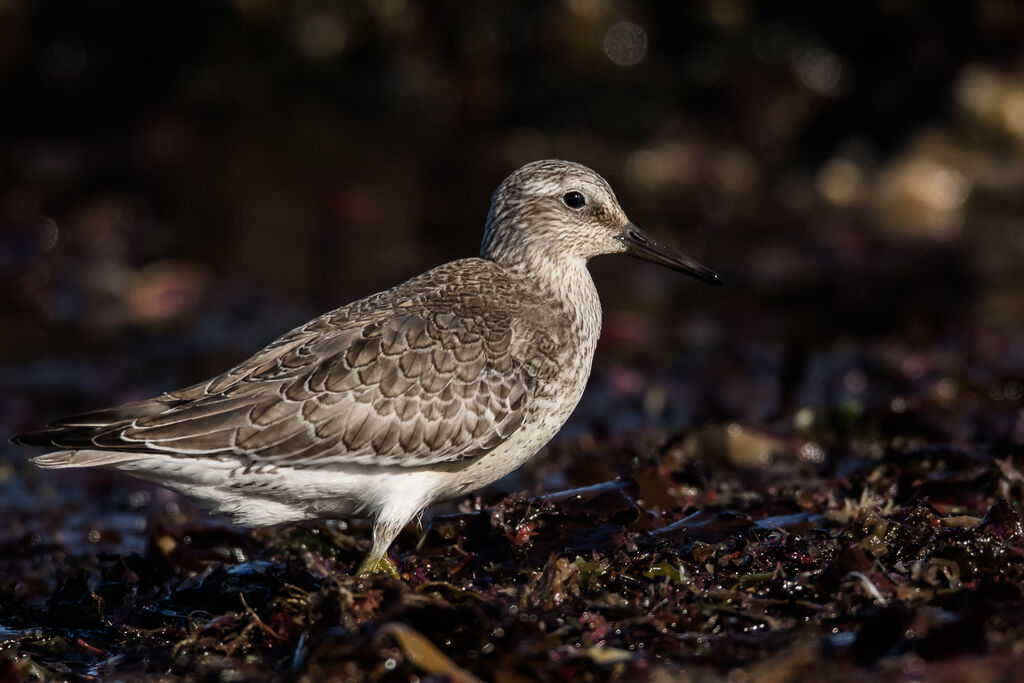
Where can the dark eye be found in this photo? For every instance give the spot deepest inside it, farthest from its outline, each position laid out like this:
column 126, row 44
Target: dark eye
column 574, row 200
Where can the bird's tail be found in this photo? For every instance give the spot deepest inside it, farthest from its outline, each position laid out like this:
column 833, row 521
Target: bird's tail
column 83, row 458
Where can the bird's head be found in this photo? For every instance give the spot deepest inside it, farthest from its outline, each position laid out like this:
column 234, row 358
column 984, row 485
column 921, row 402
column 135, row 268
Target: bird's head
column 558, row 210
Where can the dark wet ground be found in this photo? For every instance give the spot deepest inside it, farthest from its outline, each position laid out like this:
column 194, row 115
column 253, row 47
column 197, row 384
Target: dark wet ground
column 873, row 535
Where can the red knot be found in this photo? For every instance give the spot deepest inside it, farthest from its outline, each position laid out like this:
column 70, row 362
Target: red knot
column 418, row 394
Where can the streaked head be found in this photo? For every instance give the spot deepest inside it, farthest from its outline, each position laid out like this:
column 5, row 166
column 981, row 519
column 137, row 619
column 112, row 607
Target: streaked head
column 559, row 210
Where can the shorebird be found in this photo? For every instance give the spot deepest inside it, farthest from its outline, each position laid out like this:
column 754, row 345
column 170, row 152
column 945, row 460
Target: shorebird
column 414, row 395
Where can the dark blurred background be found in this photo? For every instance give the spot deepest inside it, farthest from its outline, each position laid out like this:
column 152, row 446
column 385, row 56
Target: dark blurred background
column 182, row 181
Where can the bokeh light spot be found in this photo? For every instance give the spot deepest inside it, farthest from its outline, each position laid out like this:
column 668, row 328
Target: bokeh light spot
column 664, row 165
column 322, row 36
column 978, row 90
column 729, row 15
column 588, row 9
column 841, row 182
column 820, row 70
column 812, row 452
column 165, row 290
column 922, row 196
column 736, row 172
column 1012, row 111
column 625, row 43
column 47, row 233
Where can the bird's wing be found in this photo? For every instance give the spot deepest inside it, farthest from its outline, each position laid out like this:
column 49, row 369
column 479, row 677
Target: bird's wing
column 397, row 385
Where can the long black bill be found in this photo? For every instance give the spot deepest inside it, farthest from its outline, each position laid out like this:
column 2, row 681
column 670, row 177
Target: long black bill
column 640, row 244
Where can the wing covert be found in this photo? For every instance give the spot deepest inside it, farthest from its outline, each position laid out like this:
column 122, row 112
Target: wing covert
column 408, row 389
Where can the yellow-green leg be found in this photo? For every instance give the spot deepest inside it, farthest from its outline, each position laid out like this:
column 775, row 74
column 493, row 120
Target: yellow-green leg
column 376, row 561
column 380, row 566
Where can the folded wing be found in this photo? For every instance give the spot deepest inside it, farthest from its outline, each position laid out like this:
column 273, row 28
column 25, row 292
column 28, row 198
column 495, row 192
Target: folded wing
column 389, row 387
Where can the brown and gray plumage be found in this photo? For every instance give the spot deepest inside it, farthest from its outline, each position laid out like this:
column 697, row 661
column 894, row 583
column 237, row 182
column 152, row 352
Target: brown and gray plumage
column 417, row 394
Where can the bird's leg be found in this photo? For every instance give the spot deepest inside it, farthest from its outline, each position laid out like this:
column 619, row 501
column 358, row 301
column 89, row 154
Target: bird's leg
column 383, row 565
column 376, row 561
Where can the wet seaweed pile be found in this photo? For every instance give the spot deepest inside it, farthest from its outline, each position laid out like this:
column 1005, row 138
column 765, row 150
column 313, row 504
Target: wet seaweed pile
column 880, row 541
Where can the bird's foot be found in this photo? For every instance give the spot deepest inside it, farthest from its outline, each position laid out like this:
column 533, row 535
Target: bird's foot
column 381, row 566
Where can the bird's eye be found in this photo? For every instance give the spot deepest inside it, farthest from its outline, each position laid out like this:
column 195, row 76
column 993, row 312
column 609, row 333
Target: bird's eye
column 574, row 200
